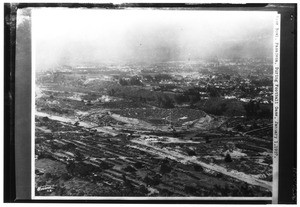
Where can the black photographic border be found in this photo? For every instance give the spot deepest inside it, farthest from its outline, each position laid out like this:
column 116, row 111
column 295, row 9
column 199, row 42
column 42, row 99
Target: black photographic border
column 17, row 99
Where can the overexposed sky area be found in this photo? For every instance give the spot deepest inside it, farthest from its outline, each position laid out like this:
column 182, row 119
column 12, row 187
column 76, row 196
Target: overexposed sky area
column 83, row 36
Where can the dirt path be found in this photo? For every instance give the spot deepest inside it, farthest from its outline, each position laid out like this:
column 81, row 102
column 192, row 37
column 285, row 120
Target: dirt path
column 186, row 159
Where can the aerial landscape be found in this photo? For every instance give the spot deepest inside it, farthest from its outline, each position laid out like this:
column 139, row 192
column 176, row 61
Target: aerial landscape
column 172, row 124
column 118, row 130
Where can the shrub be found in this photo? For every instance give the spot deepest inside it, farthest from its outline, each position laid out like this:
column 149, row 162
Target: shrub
column 104, row 165
column 66, row 176
column 138, row 165
column 198, row 168
column 190, row 189
column 130, row 169
column 164, row 168
column 228, row 158
column 191, row 152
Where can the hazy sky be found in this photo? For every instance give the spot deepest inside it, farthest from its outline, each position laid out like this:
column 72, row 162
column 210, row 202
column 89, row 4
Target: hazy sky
column 78, row 36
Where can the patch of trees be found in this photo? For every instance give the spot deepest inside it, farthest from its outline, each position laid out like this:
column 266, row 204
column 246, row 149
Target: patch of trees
column 81, row 168
column 224, row 107
column 161, row 77
column 58, row 77
column 59, row 110
column 45, row 119
column 256, row 110
column 152, row 181
column 55, row 146
column 45, row 155
column 190, row 189
column 148, row 78
column 90, row 96
column 243, row 190
column 135, row 80
column 165, row 167
column 50, row 176
column 165, row 192
column 213, row 91
column 167, row 87
column 262, row 82
column 38, row 140
column 228, row 158
column 268, row 159
column 191, row 152
column 165, row 101
column 223, row 190
column 66, row 176
column 79, row 156
column 111, row 92
column 138, row 165
column 249, row 91
column 198, row 168
column 129, row 169
column 247, row 190
column 104, row 165
column 135, row 93
column 193, row 94
column 219, row 107
column 69, row 146
column 207, row 140
column 182, row 98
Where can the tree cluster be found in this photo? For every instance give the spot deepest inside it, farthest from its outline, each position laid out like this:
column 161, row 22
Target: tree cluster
column 133, row 81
